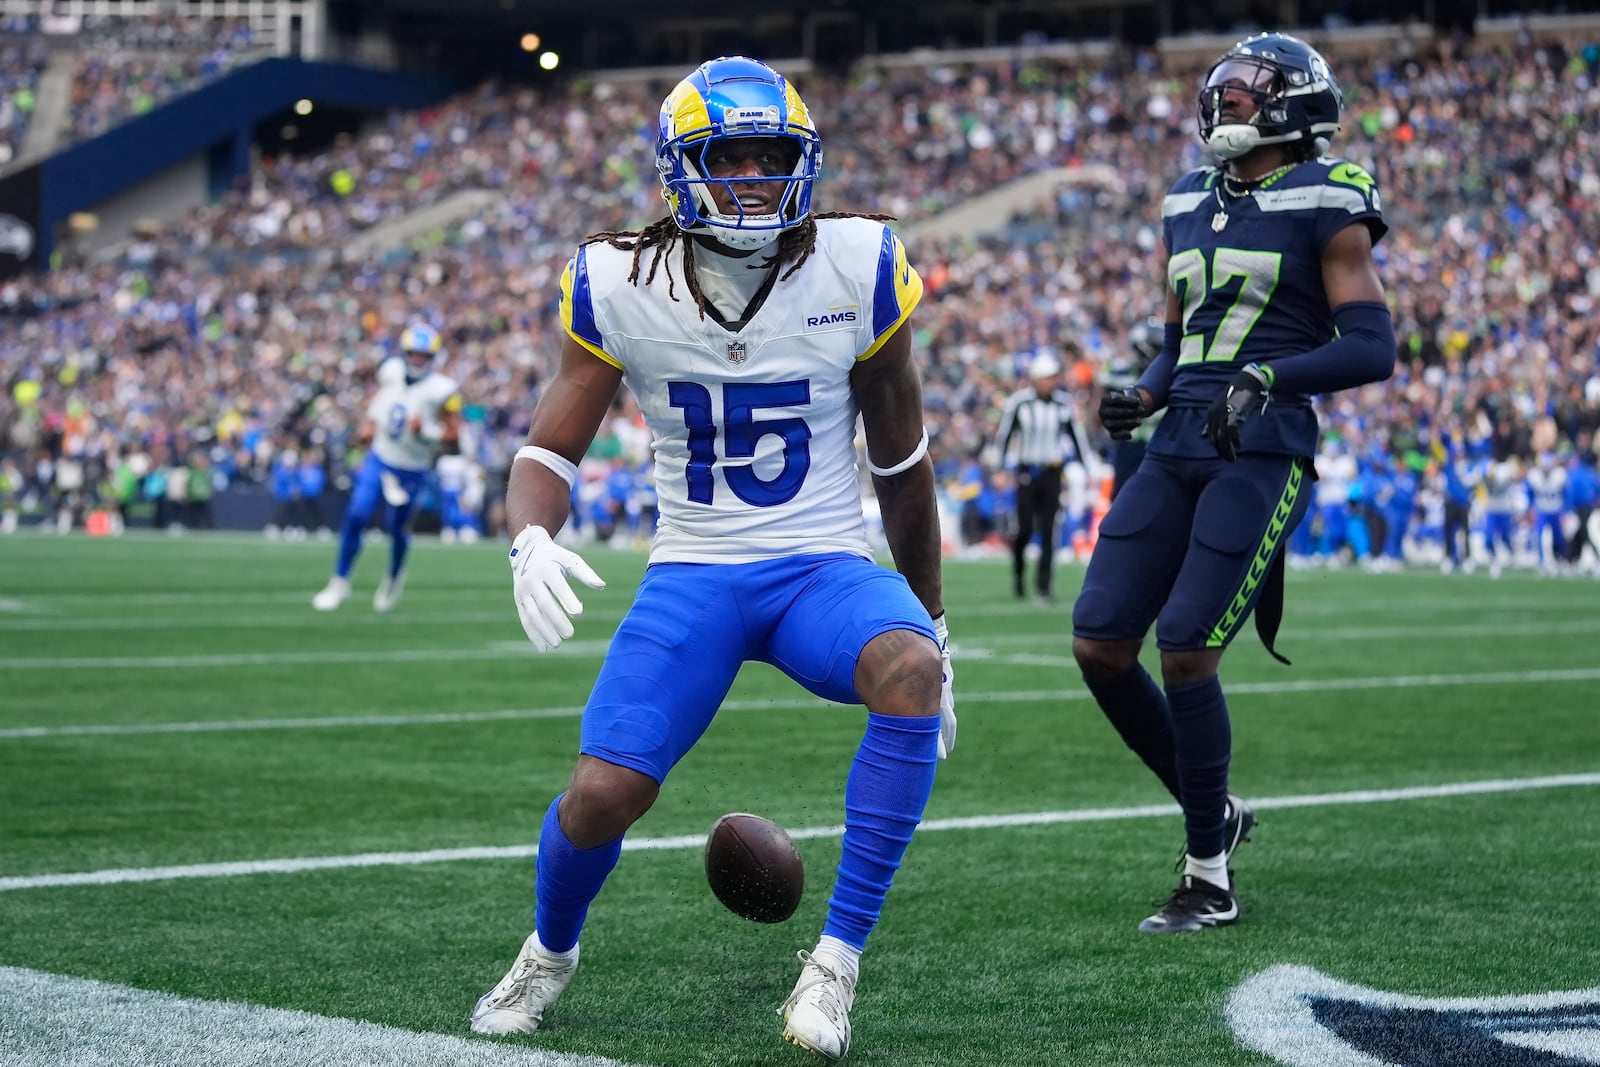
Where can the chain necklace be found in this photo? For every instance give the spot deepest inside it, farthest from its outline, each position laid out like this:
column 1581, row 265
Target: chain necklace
column 1238, row 190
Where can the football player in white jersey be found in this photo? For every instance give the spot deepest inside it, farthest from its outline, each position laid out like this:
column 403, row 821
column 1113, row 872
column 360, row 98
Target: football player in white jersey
column 752, row 333
column 414, row 414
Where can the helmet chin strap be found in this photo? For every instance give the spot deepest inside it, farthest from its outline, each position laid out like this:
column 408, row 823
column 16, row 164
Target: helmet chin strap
column 1233, row 140
column 725, row 229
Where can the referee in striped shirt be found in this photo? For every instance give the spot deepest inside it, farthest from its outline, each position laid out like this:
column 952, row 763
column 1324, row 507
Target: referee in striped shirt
column 1039, row 434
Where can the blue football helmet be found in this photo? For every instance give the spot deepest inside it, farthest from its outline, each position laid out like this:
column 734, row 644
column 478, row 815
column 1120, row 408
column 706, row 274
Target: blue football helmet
column 1146, row 339
column 419, row 345
column 1296, row 96
column 728, row 98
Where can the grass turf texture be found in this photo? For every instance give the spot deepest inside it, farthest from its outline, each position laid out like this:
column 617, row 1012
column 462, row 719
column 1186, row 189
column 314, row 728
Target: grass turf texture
column 998, row 946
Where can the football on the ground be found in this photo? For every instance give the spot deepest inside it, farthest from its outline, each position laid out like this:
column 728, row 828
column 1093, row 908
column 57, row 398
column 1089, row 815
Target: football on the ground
column 754, row 868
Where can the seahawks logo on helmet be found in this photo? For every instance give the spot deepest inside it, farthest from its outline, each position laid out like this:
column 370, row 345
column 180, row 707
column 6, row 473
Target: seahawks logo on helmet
column 728, row 98
column 1301, row 1017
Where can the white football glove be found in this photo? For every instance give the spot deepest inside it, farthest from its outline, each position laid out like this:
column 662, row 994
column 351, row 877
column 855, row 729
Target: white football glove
column 539, row 572
column 947, row 697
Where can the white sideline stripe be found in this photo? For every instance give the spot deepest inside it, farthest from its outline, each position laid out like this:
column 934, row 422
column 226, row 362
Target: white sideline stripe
column 54, row 1020
column 120, row 876
column 1322, row 685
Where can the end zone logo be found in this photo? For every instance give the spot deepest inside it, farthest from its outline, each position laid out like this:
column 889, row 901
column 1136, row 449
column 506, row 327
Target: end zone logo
column 1302, row 1017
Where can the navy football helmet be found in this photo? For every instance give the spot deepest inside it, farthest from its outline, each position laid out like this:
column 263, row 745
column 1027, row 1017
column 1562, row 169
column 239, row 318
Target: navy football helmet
column 1146, row 339
column 726, row 98
column 1295, row 93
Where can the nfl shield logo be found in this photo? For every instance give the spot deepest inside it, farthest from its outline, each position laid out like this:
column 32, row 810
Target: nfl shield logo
column 736, row 352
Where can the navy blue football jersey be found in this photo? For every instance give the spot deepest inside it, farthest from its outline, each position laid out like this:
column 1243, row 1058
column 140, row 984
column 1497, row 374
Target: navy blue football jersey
column 1247, row 272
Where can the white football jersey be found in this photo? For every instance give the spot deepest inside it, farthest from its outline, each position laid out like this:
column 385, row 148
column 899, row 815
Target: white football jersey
column 394, row 406
column 1548, row 486
column 1503, row 488
column 1336, row 473
column 753, row 429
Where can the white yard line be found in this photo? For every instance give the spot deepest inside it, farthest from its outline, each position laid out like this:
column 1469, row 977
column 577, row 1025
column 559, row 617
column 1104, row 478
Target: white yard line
column 295, row 865
column 1555, row 676
column 266, row 659
column 994, row 647
column 54, row 1020
column 1489, row 626
column 318, row 623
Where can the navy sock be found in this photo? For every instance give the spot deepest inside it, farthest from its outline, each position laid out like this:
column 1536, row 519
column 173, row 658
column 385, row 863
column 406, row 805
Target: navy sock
column 1138, row 709
column 1205, row 744
column 569, row 878
column 888, row 787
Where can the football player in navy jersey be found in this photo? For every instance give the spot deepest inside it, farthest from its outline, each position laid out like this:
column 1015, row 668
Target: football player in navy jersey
column 1272, row 296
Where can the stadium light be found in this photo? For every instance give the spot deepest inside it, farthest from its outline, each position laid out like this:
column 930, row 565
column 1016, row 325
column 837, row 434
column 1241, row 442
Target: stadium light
column 530, row 42
column 302, row 106
column 549, row 61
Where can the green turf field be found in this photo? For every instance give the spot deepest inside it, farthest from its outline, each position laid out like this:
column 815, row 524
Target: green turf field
column 1427, row 776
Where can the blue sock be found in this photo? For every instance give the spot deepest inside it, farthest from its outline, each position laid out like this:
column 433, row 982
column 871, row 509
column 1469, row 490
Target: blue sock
column 1205, row 744
column 399, row 539
column 884, row 795
column 1138, row 709
column 349, row 542
column 568, row 880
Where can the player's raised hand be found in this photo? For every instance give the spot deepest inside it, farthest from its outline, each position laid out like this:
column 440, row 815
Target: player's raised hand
column 545, row 602
column 947, row 695
column 1246, row 394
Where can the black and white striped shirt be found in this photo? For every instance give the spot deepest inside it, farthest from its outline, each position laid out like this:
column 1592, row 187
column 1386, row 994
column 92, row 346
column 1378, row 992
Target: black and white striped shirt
column 1040, row 431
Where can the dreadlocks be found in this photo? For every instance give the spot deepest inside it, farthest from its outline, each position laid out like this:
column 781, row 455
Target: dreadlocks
column 796, row 244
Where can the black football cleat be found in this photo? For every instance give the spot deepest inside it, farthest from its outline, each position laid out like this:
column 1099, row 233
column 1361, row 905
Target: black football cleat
column 1195, row 905
column 1236, row 831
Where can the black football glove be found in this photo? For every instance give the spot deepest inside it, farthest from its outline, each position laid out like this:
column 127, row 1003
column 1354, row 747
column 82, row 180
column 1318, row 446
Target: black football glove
column 1121, row 413
column 1246, row 394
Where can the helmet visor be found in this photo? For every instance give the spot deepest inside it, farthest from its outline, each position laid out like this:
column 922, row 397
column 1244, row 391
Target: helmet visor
column 1246, row 74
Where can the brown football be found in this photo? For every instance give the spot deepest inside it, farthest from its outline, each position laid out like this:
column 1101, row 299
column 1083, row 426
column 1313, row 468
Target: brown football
column 754, row 868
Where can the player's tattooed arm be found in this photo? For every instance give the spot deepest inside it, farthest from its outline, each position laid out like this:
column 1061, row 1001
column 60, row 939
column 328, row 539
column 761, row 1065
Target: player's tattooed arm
column 889, row 390
column 565, row 421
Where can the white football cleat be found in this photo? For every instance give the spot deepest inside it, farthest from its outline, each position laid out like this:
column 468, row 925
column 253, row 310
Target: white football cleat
column 389, row 590
column 517, row 1005
column 336, row 592
column 816, row 1017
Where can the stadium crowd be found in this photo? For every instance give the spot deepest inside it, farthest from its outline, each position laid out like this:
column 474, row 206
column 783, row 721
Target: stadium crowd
column 127, row 66
column 123, row 67
column 22, row 63
column 241, row 341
